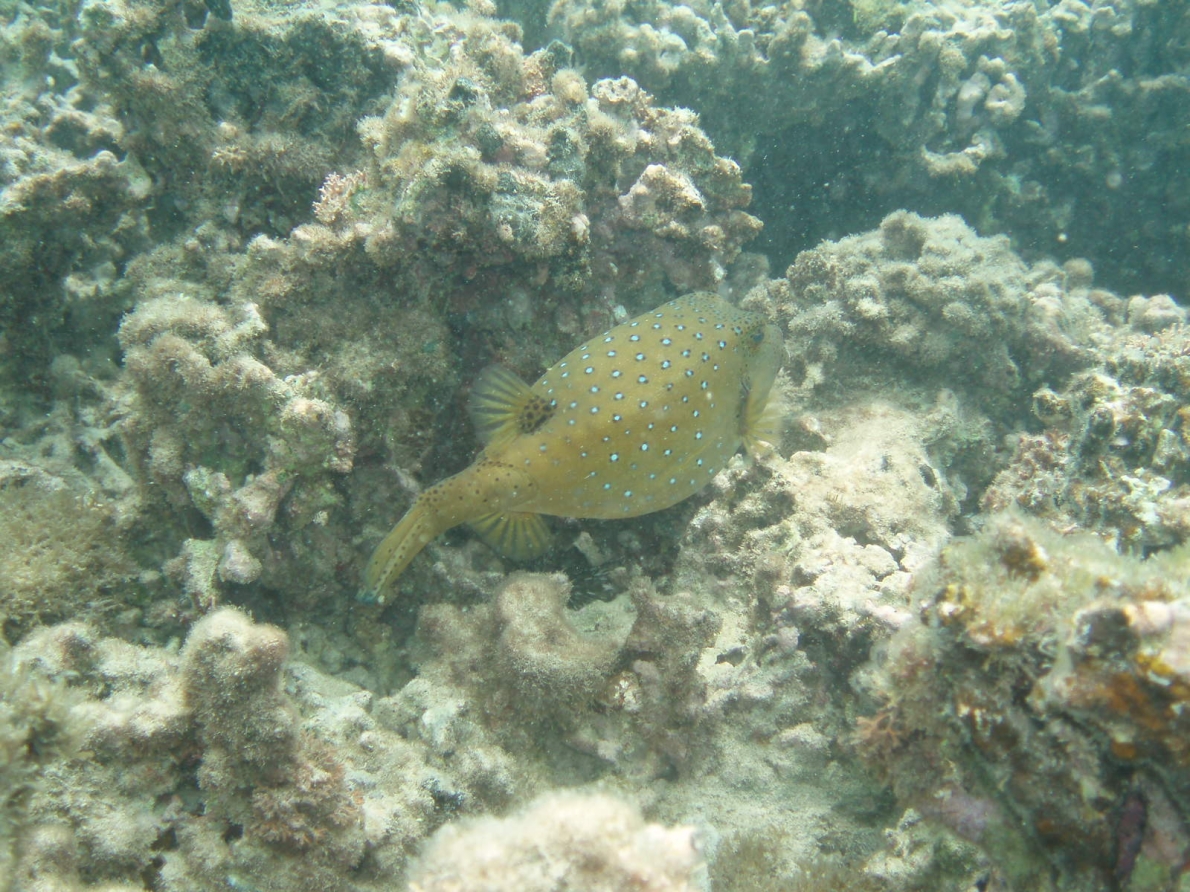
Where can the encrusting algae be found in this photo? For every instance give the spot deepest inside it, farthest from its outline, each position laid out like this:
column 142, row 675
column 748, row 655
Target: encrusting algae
column 631, row 422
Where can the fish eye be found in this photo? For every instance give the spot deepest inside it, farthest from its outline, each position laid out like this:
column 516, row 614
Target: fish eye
column 758, row 336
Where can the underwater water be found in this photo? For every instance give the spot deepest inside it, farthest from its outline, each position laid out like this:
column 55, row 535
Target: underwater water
column 594, row 445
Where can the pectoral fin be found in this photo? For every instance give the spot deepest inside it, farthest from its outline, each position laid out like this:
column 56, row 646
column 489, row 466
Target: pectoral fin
column 765, row 420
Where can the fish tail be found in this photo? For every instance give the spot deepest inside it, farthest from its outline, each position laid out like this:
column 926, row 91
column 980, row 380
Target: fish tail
column 398, row 549
column 486, row 487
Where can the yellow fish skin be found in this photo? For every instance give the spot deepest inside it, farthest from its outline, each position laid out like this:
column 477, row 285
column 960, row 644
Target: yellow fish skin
column 628, row 423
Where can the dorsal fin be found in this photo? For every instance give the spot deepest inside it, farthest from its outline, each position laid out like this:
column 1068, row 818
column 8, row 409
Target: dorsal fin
column 502, row 406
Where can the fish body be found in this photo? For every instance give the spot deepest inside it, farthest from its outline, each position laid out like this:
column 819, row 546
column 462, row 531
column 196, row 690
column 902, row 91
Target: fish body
column 629, row 422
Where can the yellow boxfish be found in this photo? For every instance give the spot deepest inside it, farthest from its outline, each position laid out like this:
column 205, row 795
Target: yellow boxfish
column 632, row 421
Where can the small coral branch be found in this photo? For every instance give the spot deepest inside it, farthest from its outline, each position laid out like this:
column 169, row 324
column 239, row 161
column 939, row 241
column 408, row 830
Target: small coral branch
column 335, row 193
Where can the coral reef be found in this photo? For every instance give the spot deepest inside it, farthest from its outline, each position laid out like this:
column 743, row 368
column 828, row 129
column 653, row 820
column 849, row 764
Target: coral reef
column 832, row 537
column 63, row 552
column 256, row 252
column 523, row 655
column 679, row 709
column 538, row 169
column 218, row 431
column 73, row 204
column 1022, row 117
column 218, row 766
column 550, row 660
column 235, row 122
column 938, row 307
column 245, row 396
column 258, row 772
column 36, row 730
column 696, row 686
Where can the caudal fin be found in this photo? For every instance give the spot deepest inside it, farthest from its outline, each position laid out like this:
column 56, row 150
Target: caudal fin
column 487, row 487
column 411, row 534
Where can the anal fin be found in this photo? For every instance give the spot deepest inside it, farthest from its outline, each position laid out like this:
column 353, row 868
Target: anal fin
column 520, row 535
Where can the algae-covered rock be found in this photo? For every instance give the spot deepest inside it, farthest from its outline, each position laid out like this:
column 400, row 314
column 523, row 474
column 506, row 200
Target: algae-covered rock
column 1041, row 702
column 1112, row 453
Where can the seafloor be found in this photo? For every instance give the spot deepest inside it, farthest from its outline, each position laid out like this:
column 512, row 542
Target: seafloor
column 254, row 253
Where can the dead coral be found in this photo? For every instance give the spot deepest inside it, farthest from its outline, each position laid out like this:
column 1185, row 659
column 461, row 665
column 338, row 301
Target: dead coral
column 943, row 306
column 594, row 841
column 839, row 110
column 549, row 661
column 223, row 764
column 543, row 652
column 37, row 728
column 258, row 770
column 217, row 430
